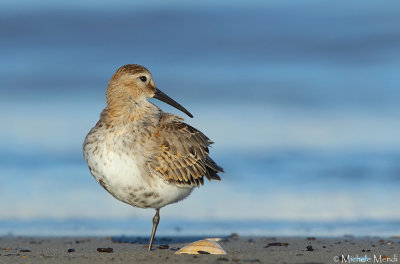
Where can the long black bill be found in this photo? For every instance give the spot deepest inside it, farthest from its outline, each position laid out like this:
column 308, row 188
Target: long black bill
column 166, row 99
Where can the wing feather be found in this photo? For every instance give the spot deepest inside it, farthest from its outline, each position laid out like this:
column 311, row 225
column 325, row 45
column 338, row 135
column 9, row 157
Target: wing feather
column 183, row 155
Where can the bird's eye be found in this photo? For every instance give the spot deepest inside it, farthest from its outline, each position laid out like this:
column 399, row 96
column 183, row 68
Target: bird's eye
column 143, row 78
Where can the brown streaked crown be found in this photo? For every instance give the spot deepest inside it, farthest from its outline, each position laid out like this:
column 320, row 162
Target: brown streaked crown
column 131, row 68
column 125, row 90
column 125, row 84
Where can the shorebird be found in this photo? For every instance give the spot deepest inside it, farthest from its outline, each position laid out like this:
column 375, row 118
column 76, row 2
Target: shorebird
column 141, row 155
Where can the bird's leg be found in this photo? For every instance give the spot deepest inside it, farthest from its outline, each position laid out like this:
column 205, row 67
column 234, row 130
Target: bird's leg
column 156, row 220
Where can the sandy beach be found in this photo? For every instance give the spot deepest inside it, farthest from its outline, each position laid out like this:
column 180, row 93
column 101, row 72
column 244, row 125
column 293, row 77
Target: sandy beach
column 346, row 249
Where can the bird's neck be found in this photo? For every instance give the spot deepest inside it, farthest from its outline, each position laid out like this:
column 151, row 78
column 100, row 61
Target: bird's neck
column 125, row 112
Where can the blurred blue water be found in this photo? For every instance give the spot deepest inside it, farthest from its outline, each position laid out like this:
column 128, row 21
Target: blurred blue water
column 301, row 100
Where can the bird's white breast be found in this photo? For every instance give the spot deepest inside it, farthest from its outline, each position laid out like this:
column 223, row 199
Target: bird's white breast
column 119, row 163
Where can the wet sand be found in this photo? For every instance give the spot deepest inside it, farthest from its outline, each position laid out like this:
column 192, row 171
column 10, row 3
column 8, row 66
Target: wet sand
column 239, row 250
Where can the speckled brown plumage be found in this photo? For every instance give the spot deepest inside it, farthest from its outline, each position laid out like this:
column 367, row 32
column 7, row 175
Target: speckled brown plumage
column 183, row 157
column 141, row 155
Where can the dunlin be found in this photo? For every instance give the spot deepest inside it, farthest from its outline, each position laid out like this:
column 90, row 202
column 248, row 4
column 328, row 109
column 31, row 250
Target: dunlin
column 141, row 155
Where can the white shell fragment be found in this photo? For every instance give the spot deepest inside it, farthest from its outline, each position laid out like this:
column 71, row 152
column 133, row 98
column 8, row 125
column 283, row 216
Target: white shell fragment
column 202, row 247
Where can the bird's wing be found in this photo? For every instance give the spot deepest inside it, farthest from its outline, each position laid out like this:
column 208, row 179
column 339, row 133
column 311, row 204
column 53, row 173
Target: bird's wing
column 182, row 157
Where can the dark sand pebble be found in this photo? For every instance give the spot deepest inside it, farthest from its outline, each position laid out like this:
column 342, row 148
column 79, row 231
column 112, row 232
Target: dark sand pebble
column 163, row 246
column 25, row 250
column 309, row 248
column 252, row 260
column 71, row 250
column 277, row 244
column 203, row 252
column 82, row 240
column 105, row 250
column 323, row 246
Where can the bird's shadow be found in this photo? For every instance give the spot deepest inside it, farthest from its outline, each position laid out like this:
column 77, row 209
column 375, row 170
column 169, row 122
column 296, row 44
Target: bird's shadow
column 159, row 240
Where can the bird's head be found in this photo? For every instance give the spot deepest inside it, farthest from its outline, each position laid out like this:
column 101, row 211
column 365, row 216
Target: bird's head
column 133, row 83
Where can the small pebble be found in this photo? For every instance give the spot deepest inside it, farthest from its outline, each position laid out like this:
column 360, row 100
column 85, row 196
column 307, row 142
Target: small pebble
column 203, row 252
column 309, row 248
column 252, row 260
column 25, row 250
column 277, row 244
column 71, row 250
column 163, row 247
column 83, row 240
column 105, row 250
column 175, row 248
